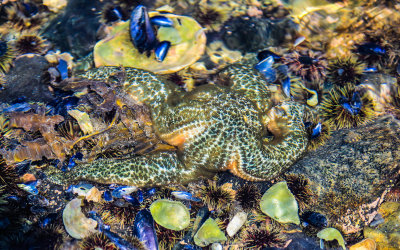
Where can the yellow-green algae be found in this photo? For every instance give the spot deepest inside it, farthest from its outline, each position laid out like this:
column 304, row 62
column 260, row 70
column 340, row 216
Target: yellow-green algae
column 187, row 37
column 279, row 203
column 209, row 233
column 330, row 234
column 170, row 214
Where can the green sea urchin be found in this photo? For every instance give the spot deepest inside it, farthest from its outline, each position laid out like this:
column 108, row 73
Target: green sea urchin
column 216, row 197
column 30, row 43
column 97, row 241
column 6, row 56
column 345, row 108
column 299, row 186
column 342, row 71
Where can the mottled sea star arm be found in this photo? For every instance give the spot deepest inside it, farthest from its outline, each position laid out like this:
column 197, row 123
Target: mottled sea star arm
column 142, row 171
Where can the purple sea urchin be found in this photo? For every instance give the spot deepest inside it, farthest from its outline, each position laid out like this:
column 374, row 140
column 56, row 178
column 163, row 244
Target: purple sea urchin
column 346, row 70
column 345, row 108
column 306, row 64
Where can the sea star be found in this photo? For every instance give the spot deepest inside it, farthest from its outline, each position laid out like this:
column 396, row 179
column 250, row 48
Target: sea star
column 214, row 128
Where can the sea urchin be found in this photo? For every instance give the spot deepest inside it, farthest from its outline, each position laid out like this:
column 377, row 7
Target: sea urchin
column 345, row 107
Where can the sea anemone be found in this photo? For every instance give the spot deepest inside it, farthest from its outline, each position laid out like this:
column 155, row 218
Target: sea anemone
column 6, row 56
column 317, row 130
column 30, row 43
column 96, row 241
column 167, row 237
column 346, row 70
column 345, row 108
column 306, row 64
column 259, row 238
column 248, row 196
column 299, row 186
column 216, row 197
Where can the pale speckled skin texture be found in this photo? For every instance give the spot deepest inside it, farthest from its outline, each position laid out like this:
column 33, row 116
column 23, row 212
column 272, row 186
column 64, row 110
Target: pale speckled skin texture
column 213, row 127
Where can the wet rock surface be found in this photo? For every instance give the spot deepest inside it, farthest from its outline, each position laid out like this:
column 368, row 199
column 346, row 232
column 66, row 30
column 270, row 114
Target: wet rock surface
column 350, row 177
column 26, row 80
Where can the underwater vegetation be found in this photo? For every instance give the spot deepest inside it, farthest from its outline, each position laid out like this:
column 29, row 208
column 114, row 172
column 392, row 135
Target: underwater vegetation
column 345, row 107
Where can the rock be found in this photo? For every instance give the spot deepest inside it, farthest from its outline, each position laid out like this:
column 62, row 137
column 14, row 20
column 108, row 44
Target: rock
column 26, row 80
column 75, row 222
column 209, row 233
column 170, row 214
column 387, row 234
column 187, row 37
column 236, row 223
column 75, row 29
column 330, row 234
column 279, row 203
column 367, row 244
column 350, row 178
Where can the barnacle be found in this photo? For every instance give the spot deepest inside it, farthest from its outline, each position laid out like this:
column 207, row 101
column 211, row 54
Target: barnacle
column 6, row 55
column 97, row 241
column 216, row 197
column 307, row 64
column 248, row 196
column 299, row 186
column 345, row 70
column 335, row 111
column 29, row 42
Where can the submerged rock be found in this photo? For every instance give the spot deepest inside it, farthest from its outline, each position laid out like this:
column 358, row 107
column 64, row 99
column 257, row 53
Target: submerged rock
column 387, row 234
column 279, row 203
column 350, row 177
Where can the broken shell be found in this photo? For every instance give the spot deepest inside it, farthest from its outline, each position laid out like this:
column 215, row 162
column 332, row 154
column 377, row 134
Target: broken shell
column 236, row 223
column 187, row 37
column 170, row 214
column 75, row 222
column 279, row 203
column 209, row 233
column 330, row 234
